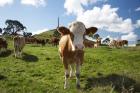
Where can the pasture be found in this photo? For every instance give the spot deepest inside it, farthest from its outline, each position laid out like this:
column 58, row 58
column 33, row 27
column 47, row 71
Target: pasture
column 40, row 70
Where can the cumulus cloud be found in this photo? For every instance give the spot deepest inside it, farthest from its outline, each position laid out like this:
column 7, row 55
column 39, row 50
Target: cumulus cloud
column 130, row 36
column 35, row 3
column 5, row 2
column 137, row 9
column 106, row 18
column 137, row 25
column 39, row 31
column 75, row 6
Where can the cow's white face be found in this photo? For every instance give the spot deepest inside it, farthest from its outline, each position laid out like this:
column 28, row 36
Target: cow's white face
column 77, row 29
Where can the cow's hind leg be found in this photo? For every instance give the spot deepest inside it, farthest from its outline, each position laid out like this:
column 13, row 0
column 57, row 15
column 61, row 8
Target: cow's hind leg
column 66, row 78
column 66, row 75
column 78, row 75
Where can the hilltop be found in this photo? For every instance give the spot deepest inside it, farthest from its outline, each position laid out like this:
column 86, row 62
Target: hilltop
column 45, row 35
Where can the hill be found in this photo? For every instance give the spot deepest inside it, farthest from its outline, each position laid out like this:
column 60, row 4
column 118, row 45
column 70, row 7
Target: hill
column 45, row 34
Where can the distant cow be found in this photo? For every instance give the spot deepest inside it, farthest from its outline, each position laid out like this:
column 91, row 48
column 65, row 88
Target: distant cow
column 88, row 43
column 19, row 43
column 71, row 48
column 30, row 40
column 41, row 41
column 97, row 43
column 118, row 43
column 3, row 43
column 125, row 42
column 54, row 41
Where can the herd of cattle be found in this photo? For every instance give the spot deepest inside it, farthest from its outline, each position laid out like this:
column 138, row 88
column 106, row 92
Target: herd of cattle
column 19, row 43
column 54, row 41
column 71, row 45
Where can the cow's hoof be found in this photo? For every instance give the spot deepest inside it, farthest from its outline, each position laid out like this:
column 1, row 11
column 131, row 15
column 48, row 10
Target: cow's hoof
column 78, row 86
column 71, row 77
column 65, row 87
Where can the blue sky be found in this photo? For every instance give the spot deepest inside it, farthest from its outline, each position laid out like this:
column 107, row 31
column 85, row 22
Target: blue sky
column 114, row 18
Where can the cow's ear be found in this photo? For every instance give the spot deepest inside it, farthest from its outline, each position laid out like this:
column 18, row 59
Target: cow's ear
column 63, row 30
column 91, row 30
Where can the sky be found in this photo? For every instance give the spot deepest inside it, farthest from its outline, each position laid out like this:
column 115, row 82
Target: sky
column 119, row 19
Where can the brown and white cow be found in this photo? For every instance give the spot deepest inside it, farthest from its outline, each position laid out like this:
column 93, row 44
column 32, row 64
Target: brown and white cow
column 19, row 43
column 97, row 43
column 118, row 43
column 88, row 43
column 71, row 48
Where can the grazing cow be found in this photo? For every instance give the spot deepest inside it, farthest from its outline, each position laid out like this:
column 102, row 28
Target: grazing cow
column 113, row 43
column 54, row 41
column 3, row 43
column 88, row 43
column 125, row 42
column 30, row 40
column 41, row 41
column 71, row 48
column 118, row 43
column 19, row 43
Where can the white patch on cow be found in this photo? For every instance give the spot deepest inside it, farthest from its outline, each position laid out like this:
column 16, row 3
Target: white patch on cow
column 78, row 30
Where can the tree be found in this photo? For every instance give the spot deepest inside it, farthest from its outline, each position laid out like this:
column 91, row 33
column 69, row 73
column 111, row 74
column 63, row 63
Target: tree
column 56, row 33
column 96, row 36
column 13, row 26
column 0, row 30
column 27, row 34
column 106, row 41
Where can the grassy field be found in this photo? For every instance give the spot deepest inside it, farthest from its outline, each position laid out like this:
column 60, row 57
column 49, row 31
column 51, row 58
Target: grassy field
column 104, row 70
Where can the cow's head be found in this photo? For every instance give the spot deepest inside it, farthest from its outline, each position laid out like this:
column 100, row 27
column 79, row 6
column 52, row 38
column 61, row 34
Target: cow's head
column 77, row 30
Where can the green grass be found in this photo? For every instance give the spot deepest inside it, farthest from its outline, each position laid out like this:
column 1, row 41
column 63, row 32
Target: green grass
column 40, row 70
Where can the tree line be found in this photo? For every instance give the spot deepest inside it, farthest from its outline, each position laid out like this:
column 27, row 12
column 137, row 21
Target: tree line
column 13, row 27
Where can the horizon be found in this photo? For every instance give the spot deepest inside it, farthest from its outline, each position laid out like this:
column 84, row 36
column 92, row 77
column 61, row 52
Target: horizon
column 113, row 18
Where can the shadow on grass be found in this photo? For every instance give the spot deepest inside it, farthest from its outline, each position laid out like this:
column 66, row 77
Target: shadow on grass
column 120, row 83
column 29, row 58
column 5, row 53
column 2, row 77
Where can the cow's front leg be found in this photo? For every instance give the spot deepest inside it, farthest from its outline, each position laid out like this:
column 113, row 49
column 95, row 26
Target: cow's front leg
column 78, row 75
column 20, row 53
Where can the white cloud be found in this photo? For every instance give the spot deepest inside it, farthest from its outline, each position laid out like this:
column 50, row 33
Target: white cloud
column 39, row 31
column 137, row 25
column 137, row 9
column 130, row 36
column 106, row 18
column 5, row 2
column 35, row 3
column 75, row 6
